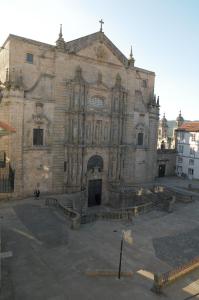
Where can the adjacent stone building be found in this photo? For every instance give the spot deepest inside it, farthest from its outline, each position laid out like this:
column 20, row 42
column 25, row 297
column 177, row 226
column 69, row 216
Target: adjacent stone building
column 187, row 160
column 86, row 117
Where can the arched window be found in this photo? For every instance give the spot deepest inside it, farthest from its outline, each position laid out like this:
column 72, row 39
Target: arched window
column 162, row 146
column 95, row 161
column 140, row 138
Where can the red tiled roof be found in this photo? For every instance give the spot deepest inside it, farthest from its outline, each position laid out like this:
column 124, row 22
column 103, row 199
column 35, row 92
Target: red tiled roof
column 189, row 126
column 6, row 127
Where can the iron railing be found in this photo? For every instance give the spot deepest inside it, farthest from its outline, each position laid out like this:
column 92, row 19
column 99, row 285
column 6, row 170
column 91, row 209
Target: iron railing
column 7, row 179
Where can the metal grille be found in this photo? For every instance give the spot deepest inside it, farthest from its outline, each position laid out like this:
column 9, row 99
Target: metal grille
column 7, row 180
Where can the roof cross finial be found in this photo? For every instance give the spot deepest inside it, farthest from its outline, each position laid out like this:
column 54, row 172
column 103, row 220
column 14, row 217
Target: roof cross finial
column 101, row 22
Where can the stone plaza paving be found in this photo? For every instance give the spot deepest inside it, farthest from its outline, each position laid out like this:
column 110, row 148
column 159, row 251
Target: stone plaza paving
column 50, row 260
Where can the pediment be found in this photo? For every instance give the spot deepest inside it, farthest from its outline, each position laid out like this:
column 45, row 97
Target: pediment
column 97, row 46
column 101, row 53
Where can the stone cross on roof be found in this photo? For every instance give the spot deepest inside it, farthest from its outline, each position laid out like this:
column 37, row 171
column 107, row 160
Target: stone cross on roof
column 101, row 22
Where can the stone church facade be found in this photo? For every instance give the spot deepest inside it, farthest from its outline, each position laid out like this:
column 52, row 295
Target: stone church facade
column 86, row 117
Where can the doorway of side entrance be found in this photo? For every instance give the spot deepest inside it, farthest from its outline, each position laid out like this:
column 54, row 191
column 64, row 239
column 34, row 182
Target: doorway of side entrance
column 94, row 192
column 162, row 169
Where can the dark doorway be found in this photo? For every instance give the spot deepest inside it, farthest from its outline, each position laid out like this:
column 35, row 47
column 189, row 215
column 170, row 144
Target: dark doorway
column 94, row 192
column 161, row 172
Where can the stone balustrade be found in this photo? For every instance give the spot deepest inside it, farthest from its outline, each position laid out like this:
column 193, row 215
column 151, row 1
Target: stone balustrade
column 162, row 280
column 73, row 216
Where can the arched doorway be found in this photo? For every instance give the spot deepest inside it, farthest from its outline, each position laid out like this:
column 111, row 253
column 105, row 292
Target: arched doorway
column 94, row 168
column 161, row 171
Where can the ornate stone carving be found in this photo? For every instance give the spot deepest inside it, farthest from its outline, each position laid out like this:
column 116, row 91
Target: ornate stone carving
column 101, row 53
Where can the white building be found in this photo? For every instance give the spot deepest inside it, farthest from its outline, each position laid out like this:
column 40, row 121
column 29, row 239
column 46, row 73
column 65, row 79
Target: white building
column 187, row 159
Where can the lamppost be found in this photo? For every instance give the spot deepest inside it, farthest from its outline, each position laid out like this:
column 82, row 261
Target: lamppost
column 127, row 237
column 120, row 260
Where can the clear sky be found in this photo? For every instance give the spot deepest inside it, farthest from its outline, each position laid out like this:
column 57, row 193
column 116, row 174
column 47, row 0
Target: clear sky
column 164, row 35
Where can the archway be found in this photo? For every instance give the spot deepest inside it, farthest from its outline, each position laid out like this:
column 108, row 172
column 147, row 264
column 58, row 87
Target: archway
column 94, row 168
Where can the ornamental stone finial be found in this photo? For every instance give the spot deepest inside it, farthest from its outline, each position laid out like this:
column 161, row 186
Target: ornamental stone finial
column 131, row 58
column 131, row 53
column 60, row 32
column 60, row 43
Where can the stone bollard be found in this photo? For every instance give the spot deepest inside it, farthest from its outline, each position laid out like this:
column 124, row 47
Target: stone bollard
column 157, row 284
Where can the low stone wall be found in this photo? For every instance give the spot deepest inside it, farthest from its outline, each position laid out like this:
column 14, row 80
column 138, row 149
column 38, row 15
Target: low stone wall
column 184, row 197
column 140, row 209
column 125, row 214
column 73, row 216
column 162, row 280
column 107, row 215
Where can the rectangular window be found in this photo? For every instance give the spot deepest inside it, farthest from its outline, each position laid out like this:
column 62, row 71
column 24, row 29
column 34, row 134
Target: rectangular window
column 38, row 135
column 140, row 138
column 144, row 83
column 29, row 58
column 190, row 171
column 193, row 137
column 179, row 169
column 65, row 165
column 180, row 148
column 191, row 162
column 180, row 159
column 192, row 151
column 181, row 135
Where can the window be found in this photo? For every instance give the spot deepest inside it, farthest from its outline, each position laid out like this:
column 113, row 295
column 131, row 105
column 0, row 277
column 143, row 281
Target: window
column 140, row 138
column 193, row 137
column 179, row 169
column 192, row 151
column 29, row 58
column 2, row 159
column 190, row 171
column 38, row 137
column 144, row 83
column 162, row 146
column 181, row 135
column 191, row 162
column 180, row 159
column 180, row 148
column 65, row 165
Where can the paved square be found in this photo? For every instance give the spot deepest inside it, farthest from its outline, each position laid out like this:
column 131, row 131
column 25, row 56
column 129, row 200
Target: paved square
column 50, row 260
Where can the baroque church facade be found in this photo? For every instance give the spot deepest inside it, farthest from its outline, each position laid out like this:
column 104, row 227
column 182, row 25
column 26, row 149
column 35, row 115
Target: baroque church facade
column 86, row 117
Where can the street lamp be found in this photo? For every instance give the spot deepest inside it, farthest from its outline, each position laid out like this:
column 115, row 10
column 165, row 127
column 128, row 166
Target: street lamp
column 127, row 237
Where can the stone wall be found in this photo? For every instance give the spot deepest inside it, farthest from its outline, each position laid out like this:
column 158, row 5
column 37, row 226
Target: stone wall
column 166, row 157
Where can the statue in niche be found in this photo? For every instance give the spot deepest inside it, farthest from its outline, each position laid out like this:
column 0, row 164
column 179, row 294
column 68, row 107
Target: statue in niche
column 113, row 165
column 88, row 132
column 118, row 80
column 39, row 109
column 96, row 133
column 99, row 78
column 75, row 131
column 106, row 133
column 78, row 73
column 116, row 103
column 76, row 98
